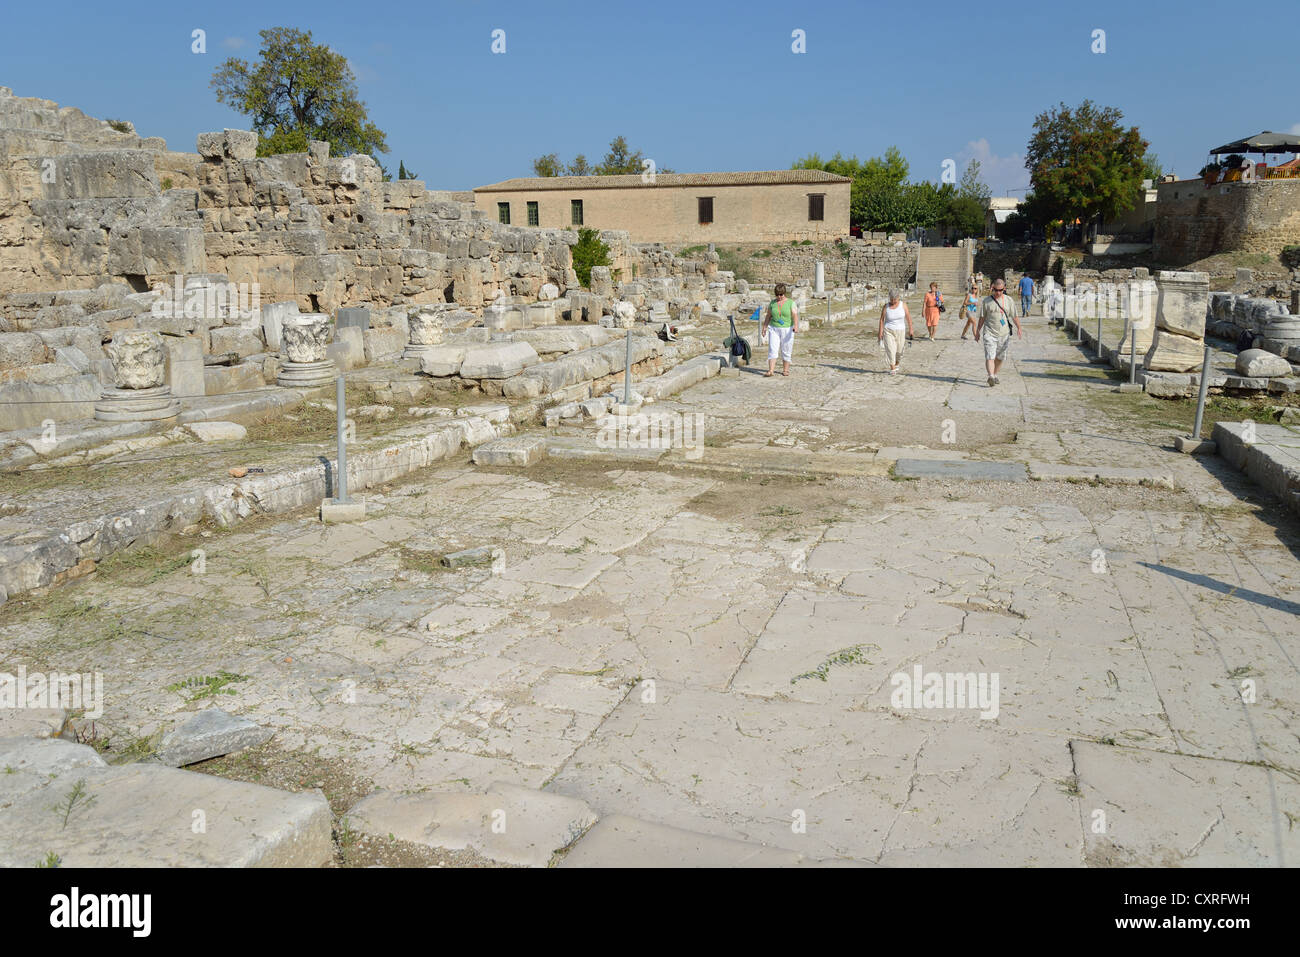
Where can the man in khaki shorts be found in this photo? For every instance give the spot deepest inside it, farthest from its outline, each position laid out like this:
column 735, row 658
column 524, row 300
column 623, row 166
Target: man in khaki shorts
column 997, row 314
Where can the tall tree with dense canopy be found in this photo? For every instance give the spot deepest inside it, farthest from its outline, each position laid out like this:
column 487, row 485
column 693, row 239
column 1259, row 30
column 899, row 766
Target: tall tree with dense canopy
column 298, row 91
column 1084, row 164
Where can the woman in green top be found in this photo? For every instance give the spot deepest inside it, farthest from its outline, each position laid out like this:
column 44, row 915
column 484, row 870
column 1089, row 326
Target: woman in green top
column 780, row 323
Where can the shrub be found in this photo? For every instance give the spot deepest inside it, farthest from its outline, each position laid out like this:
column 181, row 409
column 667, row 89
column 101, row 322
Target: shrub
column 589, row 251
column 122, row 126
column 1290, row 257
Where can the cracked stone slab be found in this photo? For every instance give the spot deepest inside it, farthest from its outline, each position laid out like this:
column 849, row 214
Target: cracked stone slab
column 561, row 570
column 969, row 470
column 622, row 841
column 1166, row 810
column 144, row 815
column 209, row 734
column 509, row 824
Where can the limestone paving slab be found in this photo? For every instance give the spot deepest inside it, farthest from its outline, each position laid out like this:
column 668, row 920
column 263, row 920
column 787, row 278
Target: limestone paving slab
column 144, row 815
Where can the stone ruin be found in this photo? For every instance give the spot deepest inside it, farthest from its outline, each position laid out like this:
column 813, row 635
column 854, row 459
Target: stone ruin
column 237, row 264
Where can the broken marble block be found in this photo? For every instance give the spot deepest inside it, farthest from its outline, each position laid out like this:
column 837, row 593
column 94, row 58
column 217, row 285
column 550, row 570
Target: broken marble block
column 1171, row 352
column 1256, row 363
column 209, row 734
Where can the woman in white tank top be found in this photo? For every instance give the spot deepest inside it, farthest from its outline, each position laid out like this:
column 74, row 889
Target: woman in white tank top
column 895, row 325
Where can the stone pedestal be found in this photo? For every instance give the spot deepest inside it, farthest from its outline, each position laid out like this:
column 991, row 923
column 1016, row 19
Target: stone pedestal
column 137, row 405
column 306, row 375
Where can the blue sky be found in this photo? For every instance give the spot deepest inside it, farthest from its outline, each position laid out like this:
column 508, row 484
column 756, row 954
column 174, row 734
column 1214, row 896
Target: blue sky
column 697, row 86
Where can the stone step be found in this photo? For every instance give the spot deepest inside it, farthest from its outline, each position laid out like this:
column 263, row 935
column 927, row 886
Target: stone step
column 960, row 469
column 514, row 450
column 508, row 824
column 1100, row 474
column 61, row 798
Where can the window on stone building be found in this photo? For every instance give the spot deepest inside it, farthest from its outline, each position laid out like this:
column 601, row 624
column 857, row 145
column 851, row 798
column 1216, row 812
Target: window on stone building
column 575, row 206
column 706, row 210
column 533, row 218
column 503, row 213
column 816, row 207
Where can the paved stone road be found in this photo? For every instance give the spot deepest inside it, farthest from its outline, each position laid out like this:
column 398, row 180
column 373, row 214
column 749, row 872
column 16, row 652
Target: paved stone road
column 712, row 644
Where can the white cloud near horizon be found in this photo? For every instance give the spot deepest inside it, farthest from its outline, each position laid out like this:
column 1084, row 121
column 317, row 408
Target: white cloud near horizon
column 1001, row 174
column 233, row 43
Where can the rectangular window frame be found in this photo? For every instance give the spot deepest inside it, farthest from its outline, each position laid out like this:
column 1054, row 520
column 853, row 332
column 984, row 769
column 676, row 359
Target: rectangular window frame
column 503, row 214
column 534, row 213
column 816, row 207
column 704, row 218
column 576, row 212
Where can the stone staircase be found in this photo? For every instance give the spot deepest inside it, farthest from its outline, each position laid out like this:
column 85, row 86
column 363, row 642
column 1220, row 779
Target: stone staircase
column 945, row 265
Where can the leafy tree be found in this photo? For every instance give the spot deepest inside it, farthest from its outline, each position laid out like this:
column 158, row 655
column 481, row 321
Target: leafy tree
column 404, row 173
column 621, row 158
column 971, row 184
column 589, row 251
column 548, row 165
column 1083, row 164
column 1151, row 168
column 298, row 91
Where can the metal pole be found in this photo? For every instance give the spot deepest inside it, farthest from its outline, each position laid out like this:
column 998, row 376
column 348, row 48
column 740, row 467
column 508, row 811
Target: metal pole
column 1099, row 333
column 627, row 372
column 341, row 480
column 1132, row 353
column 1200, row 398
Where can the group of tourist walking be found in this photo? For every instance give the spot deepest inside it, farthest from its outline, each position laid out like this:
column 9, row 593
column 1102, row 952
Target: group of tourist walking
column 990, row 318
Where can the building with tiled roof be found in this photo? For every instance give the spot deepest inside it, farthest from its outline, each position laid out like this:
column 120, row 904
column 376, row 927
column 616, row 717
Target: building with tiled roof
column 680, row 208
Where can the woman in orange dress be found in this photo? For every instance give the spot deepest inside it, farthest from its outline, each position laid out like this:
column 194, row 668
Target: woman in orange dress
column 933, row 300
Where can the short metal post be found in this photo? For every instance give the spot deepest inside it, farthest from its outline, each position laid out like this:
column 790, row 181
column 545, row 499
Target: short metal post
column 1132, row 353
column 627, row 372
column 341, row 480
column 1099, row 333
column 1200, row 398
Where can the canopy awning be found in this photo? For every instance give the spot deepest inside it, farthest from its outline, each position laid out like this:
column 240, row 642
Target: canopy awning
column 1265, row 142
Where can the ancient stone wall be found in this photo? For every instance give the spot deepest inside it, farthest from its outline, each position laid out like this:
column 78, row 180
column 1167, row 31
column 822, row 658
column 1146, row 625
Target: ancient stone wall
column 1194, row 221
column 81, row 203
column 854, row 260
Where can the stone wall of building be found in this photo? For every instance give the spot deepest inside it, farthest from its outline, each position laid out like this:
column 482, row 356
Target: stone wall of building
column 854, row 260
column 667, row 213
column 1194, row 221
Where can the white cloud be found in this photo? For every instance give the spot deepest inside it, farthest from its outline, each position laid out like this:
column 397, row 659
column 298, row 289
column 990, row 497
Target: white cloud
column 1004, row 175
column 1295, row 130
column 233, row 43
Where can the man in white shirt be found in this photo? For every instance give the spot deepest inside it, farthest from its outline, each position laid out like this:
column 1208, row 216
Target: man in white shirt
column 997, row 314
